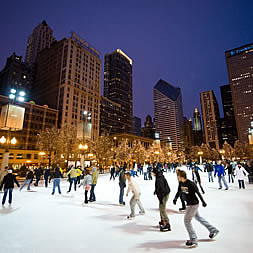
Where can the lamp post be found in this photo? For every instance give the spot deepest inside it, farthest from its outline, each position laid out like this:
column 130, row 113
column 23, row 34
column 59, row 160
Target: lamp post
column 82, row 148
column 222, row 152
column 200, row 153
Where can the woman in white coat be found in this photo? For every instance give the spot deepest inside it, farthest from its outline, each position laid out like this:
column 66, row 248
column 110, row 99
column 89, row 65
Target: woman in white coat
column 240, row 174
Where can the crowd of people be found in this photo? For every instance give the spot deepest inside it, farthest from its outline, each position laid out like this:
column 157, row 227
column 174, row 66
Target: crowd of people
column 188, row 190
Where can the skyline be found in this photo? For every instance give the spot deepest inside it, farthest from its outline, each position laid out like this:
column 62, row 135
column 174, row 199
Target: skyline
column 195, row 44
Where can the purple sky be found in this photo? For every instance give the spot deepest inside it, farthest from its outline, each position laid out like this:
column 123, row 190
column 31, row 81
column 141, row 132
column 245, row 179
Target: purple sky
column 180, row 41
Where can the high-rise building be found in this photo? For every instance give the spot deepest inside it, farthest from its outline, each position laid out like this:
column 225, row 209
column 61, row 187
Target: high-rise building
column 169, row 114
column 41, row 37
column 149, row 128
column 188, row 133
column 197, row 128
column 111, row 117
column 118, row 84
column 240, row 72
column 137, row 126
column 211, row 119
column 16, row 74
column 68, row 79
column 228, row 125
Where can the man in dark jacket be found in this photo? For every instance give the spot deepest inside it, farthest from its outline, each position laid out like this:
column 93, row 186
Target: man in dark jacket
column 209, row 169
column 28, row 180
column 162, row 191
column 8, row 183
column 122, row 185
column 47, row 175
column 57, row 180
column 38, row 173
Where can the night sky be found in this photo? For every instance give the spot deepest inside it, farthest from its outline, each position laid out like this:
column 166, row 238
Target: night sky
column 180, row 41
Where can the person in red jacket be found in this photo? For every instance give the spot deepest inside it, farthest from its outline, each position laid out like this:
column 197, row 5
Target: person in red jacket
column 8, row 183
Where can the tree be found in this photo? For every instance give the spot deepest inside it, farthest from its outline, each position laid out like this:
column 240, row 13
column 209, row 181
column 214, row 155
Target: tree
column 122, row 151
column 229, row 151
column 138, row 152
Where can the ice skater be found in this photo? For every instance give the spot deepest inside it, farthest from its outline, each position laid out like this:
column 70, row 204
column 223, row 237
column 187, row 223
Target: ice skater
column 93, row 184
column 162, row 191
column 72, row 178
column 57, row 175
column 196, row 177
column 240, row 174
column 190, row 189
column 219, row 170
column 179, row 195
column 47, row 176
column 28, row 180
column 8, row 183
column 87, row 181
column 133, row 187
column 112, row 171
column 122, row 185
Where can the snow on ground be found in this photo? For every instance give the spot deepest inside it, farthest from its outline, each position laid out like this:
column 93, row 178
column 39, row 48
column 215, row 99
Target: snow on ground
column 41, row 223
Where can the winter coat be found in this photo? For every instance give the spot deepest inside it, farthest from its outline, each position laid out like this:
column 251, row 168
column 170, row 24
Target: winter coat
column 47, row 173
column 87, row 180
column 134, row 188
column 230, row 169
column 145, row 168
column 57, row 173
column 162, row 188
column 72, row 173
column 240, row 173
column 219, row 170
column 94, row 175
column 209, row 167
column 3, row 173
column 9, row 181
column 122, row 178
column 29, row 175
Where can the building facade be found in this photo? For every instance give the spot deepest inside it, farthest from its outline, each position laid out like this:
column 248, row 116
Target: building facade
column 211, row 119
column 41, row 37
column 149, row 128
column 68, row 79
column 137, row 126
column 240, row 72
column 197, row 128
column 188, row 133
column 36, row 119
column 118, row 84
column 16, row 74
column 111, row 117
column 228, row 125
column 169, row 114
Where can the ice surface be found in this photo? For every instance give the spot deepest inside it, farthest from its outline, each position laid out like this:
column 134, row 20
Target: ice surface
column 39, row 222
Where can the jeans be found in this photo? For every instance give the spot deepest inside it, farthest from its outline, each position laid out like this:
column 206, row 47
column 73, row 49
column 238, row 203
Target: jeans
column 162, row 208
column 223, row 180
column 145, row 175
column 56, row 183
column 241, row 184
column 210, row 176
column 27, row 181
column 71, row 180
column 149, row 175
column 5, row 195
column 133, row 203
column 230, row 177
column 192, row 211
column 121, row 194
column 92, row 193
column 37, row 181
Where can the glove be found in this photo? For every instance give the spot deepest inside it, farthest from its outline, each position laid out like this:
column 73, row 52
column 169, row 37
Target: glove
column 174, row 201
column 154, row 193
column 204, row 204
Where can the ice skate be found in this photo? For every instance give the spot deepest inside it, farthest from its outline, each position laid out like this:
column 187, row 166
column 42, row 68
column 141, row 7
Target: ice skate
column 182, row 209
column 130, row 217
column 165, row 228
column 213, row 234
column 190, row 244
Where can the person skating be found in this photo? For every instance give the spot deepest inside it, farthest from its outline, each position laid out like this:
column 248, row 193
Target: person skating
column 209, row 169
column 28, row 180
column 47, row 175
column 87, row 181
column 190, row 189
column 133, row 187
column 240, row 174
column 219, row 170
column 150, row 172
column 249, row 168
column 72, row 178
column 162, row 191
column 8, row 183
column 230, row 172
column 57, row 175
column 122, row 185
column 93, row 185
column 79, row 173
column 112, row 171
column 3, row 173
column 196, row 177
column 145, row 171
column 181, row 209
column 38, row 173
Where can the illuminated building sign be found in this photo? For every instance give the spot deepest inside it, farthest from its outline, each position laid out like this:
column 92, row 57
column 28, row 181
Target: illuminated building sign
column 238, row 51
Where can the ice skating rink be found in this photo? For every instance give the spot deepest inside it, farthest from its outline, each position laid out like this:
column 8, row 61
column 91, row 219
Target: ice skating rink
column 38, row 222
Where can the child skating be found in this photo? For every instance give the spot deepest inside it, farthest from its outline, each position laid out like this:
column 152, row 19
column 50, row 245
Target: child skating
column 133, row 187
column 189, row 190
column 87, row 181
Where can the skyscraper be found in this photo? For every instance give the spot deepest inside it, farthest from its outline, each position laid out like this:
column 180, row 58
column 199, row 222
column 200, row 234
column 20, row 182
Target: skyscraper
column 16, row 74
column 240, row 72
column 211, row 119
column 137, row 126
column 41, row 37
column 228, row 125
column 197, row 128
column 68, row 79
column 149, row 128
column 188, row 133
column 169, row 114
column 118, row 84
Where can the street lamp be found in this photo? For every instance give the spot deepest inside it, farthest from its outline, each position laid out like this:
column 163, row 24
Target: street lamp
column 200, row 153
column 222, row 152
column 82, row 148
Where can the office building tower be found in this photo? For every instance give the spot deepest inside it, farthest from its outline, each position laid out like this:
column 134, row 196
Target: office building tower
column 137, row 126
column 41, row 37
column 197, row 128
column 169, row 114
column 118, row 84
column 149, row 128
column 68, row 79
column 188, row 133
column 211, row 119
column 111, row 117
column 228, row 125
column 16, row 74
column 240, row 72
